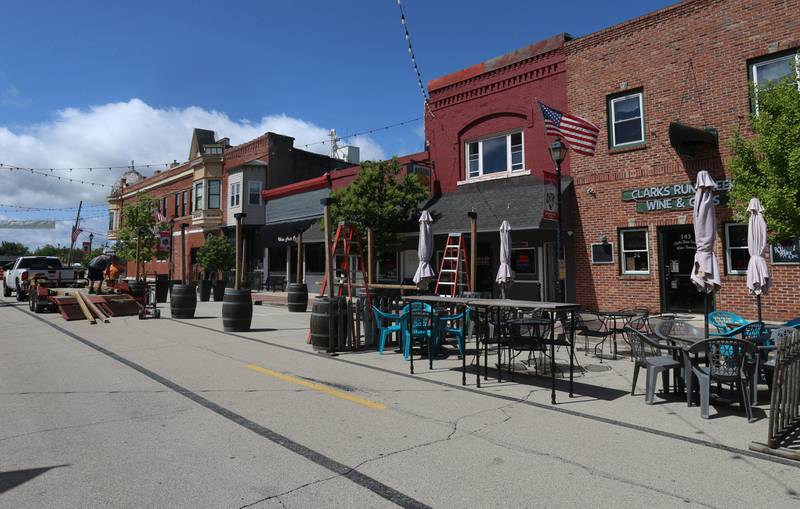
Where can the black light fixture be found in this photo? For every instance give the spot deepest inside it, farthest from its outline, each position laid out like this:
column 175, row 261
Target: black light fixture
column 558, row 151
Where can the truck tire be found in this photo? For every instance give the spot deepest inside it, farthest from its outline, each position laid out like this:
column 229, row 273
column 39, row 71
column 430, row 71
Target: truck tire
column 6, row 290
column 32, row 301
column 20, row 294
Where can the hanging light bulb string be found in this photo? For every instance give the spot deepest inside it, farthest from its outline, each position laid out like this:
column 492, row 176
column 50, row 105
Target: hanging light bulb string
column 407, row 35
column 49, row 209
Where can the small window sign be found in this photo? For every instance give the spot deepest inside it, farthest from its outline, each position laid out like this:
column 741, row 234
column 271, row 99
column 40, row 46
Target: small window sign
column 786, row 252
column 602, row 253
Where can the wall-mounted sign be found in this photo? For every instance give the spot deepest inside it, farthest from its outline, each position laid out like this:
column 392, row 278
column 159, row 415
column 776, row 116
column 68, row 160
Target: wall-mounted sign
column 602, row 253
column 672, row 196
column 786, row 252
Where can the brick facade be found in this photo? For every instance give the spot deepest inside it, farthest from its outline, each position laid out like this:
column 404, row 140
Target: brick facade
column 691, row 63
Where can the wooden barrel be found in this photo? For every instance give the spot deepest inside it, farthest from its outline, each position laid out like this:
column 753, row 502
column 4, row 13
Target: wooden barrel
column 297, row 298
column 237, row 310
column 320, row 320
column 183, row 301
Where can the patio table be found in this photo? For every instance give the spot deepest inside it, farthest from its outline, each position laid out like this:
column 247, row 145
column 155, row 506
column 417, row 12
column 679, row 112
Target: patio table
column 553, row 308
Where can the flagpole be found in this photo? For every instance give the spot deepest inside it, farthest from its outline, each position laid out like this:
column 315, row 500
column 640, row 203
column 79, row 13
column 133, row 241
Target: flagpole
column 73, row 235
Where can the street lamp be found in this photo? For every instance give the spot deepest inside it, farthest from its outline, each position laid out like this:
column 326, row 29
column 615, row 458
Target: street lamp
column 558, row 152
column 91, row 238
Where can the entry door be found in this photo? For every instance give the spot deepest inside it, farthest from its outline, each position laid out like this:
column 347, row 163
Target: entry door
column 677, row 248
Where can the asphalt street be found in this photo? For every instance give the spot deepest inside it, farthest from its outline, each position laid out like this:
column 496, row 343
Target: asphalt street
column 167, row 413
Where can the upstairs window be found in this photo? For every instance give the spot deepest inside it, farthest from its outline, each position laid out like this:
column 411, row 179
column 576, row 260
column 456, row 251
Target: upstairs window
column 213, row 150
column 494, row 155
column 177, row 205
column 235, row 192
column 626, row 120
column 112, row 220
column 214, row 193
column 198, row 195
column 770, row 70
column 254, row 192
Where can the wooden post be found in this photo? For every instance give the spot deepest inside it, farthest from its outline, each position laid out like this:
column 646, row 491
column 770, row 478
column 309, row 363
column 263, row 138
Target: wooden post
column 244, row 258
column 326, row 203
column 238, row 274
column 370, row 259
column 473, row 248
column 183, row 252
column 138, row 253
column 299, row 279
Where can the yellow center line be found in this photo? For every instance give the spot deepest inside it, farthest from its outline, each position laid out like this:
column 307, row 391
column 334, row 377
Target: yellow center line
column 317, row 387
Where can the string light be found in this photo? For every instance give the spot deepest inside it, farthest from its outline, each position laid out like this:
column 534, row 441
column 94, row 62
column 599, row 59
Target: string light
column 49, row 175
column 370, row 131
column 407, row 36
column 49, row 209
column 90, row 168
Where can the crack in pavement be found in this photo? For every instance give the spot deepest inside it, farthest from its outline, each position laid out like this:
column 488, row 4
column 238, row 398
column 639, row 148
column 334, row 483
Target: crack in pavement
column 97, row 423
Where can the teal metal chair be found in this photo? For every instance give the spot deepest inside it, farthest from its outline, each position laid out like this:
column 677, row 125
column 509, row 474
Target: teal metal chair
column 421, row 329
column 446, row 327
column 725, row 321
column 387, row 323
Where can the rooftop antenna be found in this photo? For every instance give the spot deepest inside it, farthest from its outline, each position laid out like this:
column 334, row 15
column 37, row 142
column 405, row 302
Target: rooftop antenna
column 334, row 144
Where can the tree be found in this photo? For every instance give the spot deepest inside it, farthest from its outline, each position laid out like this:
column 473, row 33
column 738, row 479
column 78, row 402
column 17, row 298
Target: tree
column 216, row 254
column 381, row 198
column 767, row 165
column 139, row 225
column 13, row 248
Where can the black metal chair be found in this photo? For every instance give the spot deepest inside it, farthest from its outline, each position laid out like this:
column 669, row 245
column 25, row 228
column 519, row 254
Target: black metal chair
column 646, row 351
column 728, row 360
column 592, row 325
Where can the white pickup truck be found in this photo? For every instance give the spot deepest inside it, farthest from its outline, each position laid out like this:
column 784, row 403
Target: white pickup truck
column 27, row 268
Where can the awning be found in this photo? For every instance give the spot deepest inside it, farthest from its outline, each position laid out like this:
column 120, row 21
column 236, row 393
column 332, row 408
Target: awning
column 296, row 207
column 687, row 140
column 520, row 201
column 275, row 235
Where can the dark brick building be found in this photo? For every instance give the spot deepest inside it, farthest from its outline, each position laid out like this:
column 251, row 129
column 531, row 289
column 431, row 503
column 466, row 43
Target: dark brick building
column 689, row 64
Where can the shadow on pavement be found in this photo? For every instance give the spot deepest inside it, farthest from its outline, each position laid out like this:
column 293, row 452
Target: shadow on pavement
column 10, row 480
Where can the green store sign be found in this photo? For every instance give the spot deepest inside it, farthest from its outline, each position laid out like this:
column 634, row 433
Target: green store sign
column 667, row 197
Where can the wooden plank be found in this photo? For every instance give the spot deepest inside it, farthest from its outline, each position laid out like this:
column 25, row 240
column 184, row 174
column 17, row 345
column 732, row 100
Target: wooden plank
column 93, row 307
column 85, row 309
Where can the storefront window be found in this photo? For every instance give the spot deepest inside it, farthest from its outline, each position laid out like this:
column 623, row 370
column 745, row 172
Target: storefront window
column 626, row 120
column 525, row 264
column 635, row 254
column 277, row 259
column 388, row 268
column 736, row 254
column 315, row 257
column 494, row 155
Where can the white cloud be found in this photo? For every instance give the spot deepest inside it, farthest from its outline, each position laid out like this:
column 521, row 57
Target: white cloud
column 114, row 134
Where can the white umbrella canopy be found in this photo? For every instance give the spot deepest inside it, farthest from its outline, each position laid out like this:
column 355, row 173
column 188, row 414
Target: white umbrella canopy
column 758, row 280
column 425, row 272
column 505, row 276
column 705, row 272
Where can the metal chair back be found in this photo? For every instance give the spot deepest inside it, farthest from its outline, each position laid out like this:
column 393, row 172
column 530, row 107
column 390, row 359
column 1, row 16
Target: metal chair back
column 641, row 345
column 726, row 357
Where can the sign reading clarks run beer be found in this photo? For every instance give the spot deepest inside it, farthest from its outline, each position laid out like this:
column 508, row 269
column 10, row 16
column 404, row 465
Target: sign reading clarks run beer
column 672, row 196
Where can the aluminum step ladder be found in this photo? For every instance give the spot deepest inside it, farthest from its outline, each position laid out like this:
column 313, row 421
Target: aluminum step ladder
column 453, row 276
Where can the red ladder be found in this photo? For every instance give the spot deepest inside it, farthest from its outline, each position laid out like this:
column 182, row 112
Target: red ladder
column 453, row 275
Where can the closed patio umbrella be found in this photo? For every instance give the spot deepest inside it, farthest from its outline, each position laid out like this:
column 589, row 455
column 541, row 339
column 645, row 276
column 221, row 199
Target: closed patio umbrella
column 424, row 272
column 505, row 276
column 758, row 279
column 705, row 272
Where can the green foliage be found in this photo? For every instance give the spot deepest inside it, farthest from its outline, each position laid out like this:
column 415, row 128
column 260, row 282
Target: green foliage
column 62, row 253
column 217, row 254
column 139, row 222
column 381, row 198
column 767, row 165
column 13, row 248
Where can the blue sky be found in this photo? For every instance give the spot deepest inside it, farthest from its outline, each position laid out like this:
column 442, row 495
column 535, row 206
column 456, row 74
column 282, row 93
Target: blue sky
column 87, row 83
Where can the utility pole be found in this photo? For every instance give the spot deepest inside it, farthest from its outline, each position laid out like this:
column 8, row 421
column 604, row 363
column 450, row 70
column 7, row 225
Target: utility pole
column 334, row 144
column 73, row 235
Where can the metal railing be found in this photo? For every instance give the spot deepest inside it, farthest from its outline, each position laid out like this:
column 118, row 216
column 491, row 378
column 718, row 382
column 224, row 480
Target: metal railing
column 784, row 415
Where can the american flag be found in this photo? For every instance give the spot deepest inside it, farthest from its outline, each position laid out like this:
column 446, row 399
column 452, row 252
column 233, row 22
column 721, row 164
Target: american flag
column 75, row 232
column 160, row 218
column 579, row 134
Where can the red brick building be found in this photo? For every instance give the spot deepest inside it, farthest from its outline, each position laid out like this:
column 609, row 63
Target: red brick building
column 689, row 65
column 217, row 181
